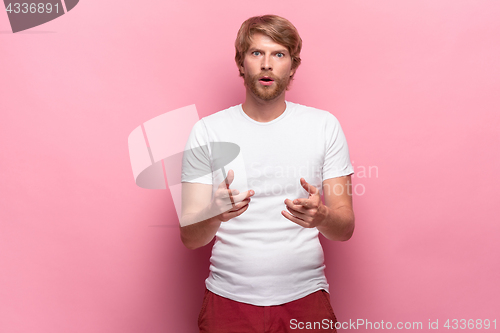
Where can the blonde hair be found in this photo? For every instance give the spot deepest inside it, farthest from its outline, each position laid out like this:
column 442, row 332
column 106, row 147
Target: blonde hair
column 279, row 29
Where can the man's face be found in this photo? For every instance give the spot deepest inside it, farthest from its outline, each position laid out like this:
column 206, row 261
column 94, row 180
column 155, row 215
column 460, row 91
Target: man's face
column 267, row 68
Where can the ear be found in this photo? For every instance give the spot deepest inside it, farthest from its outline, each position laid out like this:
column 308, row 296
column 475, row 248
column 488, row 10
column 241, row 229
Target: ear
column 241, row 69
column 292, row 72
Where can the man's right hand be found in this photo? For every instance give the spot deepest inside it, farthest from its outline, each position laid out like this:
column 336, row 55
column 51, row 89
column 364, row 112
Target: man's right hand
column 202, row 213
column 227, row 203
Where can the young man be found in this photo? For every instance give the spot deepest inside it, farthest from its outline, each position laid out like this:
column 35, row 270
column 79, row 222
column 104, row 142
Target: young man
column 267, row 266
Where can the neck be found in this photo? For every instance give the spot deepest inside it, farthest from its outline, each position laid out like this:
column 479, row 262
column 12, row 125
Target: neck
column 263, row 111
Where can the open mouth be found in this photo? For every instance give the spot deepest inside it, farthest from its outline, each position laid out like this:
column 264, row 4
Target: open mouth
column 266, row 79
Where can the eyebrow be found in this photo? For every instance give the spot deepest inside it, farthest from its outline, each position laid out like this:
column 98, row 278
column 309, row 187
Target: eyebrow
column 252, row 49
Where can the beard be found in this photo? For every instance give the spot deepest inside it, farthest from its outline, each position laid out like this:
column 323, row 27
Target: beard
column 267, row 93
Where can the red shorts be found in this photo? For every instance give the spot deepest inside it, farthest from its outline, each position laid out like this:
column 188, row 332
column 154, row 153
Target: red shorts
column 312, row 313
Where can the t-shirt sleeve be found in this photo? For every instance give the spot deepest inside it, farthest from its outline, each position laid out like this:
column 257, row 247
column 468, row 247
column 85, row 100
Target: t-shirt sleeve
column 196, row 163
column 337, row 162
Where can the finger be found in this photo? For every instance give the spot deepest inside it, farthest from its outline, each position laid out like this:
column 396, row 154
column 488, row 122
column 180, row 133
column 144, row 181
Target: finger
column 300, row 208
column 226, row 194
column 301, row 203
column 308, row 187
column 294, row 219
column 227, row 202
column 242, row 196
column 226, row 206
column 240, row 211
column 232, row 214
column 299, row 215
column 232, row 193
column 228, row 180
column 240, row 205
column 249, row 193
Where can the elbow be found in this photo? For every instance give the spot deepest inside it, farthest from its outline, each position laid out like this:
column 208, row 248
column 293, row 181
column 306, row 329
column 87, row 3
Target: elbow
column 189, row 244
column 349, row 230
column 188, row 241
column 347, row 236
column 192, row 243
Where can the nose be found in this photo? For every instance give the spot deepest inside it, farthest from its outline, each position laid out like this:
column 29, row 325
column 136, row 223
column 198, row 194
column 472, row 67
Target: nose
column 266, row 64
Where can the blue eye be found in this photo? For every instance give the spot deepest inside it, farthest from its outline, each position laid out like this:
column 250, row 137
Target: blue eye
column 255, row 53
column 280, row 55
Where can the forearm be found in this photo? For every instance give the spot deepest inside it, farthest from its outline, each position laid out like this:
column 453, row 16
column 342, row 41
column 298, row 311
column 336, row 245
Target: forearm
column 198, row 234
column 338, row 224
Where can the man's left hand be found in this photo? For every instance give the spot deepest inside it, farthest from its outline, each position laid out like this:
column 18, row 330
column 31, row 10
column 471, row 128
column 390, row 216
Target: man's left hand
column 308, row 213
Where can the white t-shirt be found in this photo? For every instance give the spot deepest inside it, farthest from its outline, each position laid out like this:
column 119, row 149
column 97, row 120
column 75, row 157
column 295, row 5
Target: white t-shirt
column 260, row 257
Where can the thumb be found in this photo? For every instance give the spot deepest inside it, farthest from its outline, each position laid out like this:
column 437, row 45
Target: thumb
column 308, row 187
column 229, row 179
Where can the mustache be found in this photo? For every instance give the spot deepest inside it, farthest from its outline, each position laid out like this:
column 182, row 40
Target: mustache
column 262, row 74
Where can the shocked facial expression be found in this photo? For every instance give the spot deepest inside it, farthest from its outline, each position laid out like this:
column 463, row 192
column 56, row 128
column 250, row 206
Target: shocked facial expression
column 267, row 68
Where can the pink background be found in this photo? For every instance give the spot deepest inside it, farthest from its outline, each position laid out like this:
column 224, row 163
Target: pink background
column 414, row 83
